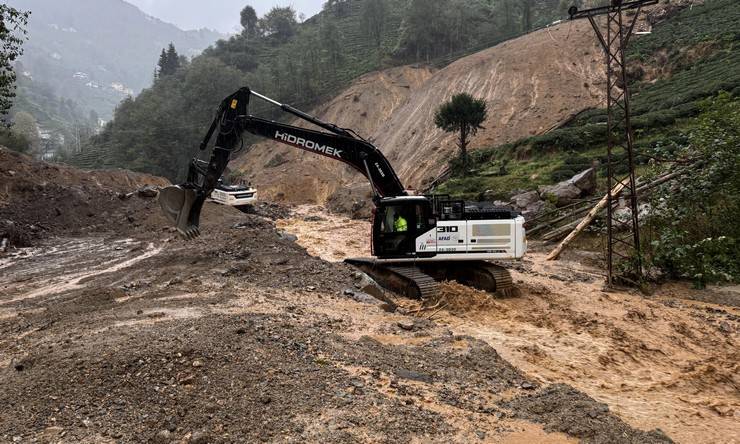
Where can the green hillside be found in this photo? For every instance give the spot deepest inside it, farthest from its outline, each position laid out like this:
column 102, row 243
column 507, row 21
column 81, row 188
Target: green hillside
column 306, row 63
column 697, row 54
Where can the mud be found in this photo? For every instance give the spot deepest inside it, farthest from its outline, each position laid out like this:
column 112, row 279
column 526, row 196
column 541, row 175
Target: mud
column 667, row 361
column 243, row 335
column 561, row 408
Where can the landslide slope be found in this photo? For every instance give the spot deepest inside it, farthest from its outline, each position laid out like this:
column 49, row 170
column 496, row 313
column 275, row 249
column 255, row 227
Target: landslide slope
column 530, row 84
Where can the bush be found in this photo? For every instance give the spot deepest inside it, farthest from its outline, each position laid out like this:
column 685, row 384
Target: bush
column 14, row 141
column 694, row 223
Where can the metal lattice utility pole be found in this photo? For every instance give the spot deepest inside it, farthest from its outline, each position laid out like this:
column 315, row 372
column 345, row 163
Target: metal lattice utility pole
column 623, row 251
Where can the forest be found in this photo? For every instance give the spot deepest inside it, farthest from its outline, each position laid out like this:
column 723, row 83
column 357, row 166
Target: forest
column 301, row 63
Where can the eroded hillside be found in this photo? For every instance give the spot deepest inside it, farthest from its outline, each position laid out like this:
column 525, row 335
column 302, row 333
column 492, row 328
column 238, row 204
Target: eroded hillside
column 530, row 84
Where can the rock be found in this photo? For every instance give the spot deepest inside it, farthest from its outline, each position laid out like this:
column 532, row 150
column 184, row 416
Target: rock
column 147, row 192
column 585, row 181
column 413, row 375
column 524, row 200
column 197, row 363
column 200, row 437
column 407, row 325
column 528, row 204
column 533, row 210
column 368, row 285
column 163, row 436
column 314, row 219
column 527, row 385
column 287, row 236
column 561, row 194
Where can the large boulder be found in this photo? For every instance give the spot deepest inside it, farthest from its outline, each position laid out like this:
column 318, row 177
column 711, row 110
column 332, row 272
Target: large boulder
column 561, row 194
column 585, row 181
column 528, row 204
column 566, row 192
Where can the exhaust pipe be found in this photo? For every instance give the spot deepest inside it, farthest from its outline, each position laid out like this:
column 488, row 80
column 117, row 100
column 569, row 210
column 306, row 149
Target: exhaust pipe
column 181, row 207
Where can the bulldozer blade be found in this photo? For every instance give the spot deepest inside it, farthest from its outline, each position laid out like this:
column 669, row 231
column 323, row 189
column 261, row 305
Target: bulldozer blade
column 177, row 205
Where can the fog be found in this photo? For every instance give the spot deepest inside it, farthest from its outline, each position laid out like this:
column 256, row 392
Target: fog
column 221, row 15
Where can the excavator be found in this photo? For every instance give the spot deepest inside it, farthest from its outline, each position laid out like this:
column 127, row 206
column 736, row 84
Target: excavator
column 417, row 241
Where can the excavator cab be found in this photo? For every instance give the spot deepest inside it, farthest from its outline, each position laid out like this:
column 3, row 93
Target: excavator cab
column 397, row 223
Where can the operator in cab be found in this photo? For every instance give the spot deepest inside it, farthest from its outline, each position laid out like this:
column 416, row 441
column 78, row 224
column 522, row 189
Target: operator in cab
column 399, row 224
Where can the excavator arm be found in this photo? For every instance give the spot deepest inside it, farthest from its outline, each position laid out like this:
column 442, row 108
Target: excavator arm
column 182, row 204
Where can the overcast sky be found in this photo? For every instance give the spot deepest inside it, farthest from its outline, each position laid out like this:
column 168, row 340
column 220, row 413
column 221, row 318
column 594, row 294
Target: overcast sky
column 221, row 15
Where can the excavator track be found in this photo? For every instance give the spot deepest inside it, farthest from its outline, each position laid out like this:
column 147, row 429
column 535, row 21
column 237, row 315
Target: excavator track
column 481, row 275
column 420, row 280
column 404, row 279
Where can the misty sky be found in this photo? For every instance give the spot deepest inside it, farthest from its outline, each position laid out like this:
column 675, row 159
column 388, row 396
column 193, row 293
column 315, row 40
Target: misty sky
column 221, row 15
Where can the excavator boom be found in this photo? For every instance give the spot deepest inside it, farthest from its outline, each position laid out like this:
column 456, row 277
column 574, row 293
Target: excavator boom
column 182, row 204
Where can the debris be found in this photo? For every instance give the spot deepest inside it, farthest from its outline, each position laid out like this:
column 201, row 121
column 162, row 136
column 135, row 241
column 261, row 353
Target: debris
column 407, row 325
column 147, row 192
column 585, row 222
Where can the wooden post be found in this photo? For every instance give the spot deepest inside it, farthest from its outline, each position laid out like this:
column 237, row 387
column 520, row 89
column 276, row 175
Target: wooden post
column 585, row 222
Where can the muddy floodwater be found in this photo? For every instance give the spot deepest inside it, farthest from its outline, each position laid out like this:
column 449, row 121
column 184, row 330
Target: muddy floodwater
column 245, row 335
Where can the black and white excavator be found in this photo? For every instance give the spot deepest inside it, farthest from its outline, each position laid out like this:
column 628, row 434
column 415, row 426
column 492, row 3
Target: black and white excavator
column 417, row 241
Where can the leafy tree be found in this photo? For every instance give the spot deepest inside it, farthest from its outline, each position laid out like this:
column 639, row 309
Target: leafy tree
column 24, row 125
column 463, row 114
column 330, row 40
column 339, row 8
column 249, row 21
column 12, row 34
column 422, row 29
column 13, row 140
column 693, row 224
column 373, row 20
column 526, row 6
column 280, row 23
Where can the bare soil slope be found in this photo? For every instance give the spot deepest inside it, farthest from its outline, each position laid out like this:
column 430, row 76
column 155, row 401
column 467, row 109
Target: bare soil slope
column 289, row 174
column 40, row 198
column 530, row 84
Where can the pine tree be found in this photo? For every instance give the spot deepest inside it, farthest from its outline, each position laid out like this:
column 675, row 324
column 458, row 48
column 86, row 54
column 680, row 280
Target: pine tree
column 464, row 114
column 162, row 64
column 169, row 62
column 173, row 59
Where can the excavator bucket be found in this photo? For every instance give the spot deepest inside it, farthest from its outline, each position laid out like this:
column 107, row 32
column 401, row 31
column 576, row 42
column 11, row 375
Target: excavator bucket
column 179, row 207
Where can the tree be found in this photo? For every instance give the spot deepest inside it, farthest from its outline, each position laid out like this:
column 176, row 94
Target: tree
column 249, row 21
column 12, row 35
column 25, row 126
column 340, row 8
column 373, row 20
column 280, row 23
column 463, row 114
column 169, row 61
column 527, row 6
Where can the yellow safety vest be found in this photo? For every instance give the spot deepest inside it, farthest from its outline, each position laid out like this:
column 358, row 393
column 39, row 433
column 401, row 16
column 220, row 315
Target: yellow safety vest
column 400, row 225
